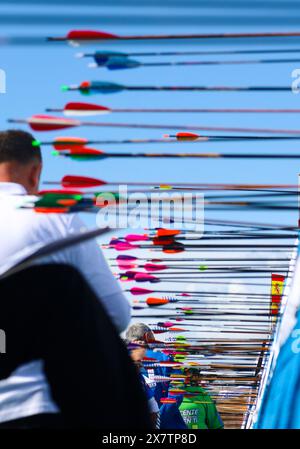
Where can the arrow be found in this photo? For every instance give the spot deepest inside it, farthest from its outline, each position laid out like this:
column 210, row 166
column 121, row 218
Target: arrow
column 75, row 181
column 137, row 291
column 106, row 87
column 121, row 62
column 85, row 109
column 183, row 339
column 141, row 277
column 155, row 302
column 108, row 54
column 65, row 143
column 154, row 264
column 50, row 123
column 92, row 35
column 86, row 154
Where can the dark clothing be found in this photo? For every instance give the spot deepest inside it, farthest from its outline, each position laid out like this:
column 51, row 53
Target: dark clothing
column 49, row 312
column 43, row 421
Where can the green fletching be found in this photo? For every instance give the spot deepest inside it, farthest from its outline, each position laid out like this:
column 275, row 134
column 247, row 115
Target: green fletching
column 36, row 143
column 86, row 157
column 179, row 358
column 203, row 267
column 180, row 338
column 188, row 312
column 51, row 199
column 64, row 88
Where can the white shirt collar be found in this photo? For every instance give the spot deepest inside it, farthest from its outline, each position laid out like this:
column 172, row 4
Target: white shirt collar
column 11, row 188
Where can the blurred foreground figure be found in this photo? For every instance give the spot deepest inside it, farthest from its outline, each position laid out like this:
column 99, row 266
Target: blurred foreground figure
column 26, row 391
column 50, row 313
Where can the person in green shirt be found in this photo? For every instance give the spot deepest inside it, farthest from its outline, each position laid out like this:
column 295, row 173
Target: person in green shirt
column 197, row 409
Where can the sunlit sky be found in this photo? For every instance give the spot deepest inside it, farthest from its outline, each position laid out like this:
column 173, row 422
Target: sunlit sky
column 36, row 70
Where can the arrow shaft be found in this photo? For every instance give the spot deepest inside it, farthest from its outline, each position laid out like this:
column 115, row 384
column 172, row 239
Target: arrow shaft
column 183, row 36
column 191, row 53
column 202, row 88
column 208, row 63
column 185, row 155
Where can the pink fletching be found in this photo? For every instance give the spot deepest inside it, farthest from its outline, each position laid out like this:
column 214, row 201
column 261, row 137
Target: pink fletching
column 154, row 267
column 136, row 237
column 140, row 291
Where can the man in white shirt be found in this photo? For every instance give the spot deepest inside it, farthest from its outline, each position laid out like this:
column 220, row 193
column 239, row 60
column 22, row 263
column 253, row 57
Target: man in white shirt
column 26, row 392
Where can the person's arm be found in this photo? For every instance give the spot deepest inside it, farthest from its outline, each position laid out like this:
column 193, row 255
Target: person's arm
column 88, row 258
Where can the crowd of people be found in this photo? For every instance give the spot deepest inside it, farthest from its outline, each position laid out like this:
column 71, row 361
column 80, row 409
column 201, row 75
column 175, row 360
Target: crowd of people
column 189, row 406
column 62, row 319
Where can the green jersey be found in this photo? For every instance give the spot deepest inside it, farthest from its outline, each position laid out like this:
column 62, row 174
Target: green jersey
column 199, row 411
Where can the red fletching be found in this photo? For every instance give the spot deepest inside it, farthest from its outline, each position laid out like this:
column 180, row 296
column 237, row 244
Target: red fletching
column 176, row 247
column 64, row 143
column 51, row 210
column 85, row 151
column 50, row 123
column 85, row 108
column 81, row 181
column 163, row 240
column 85, row 85
column 187, row 136
column 89, row 35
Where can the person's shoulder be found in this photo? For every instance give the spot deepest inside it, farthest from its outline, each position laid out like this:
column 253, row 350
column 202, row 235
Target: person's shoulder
column 58, row 224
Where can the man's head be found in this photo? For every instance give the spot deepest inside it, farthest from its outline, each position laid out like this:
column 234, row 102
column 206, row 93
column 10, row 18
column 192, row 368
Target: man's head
column 193, row 376
column 20, row 161
column 139, row 332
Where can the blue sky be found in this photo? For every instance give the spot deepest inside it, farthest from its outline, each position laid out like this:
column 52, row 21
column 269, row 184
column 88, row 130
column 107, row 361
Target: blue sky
column 36, row 72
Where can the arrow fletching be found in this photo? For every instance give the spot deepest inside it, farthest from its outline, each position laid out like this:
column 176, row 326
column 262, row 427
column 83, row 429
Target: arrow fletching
column 140, row 291
column 185, row 136
column 84, row 109
column 88, row 35
column 145, row 277
column 65, row 143
column 50, row 123
column 154, row 267
column 94, row 87
column 121, row 63
column 81, row 181
column 153, row 302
